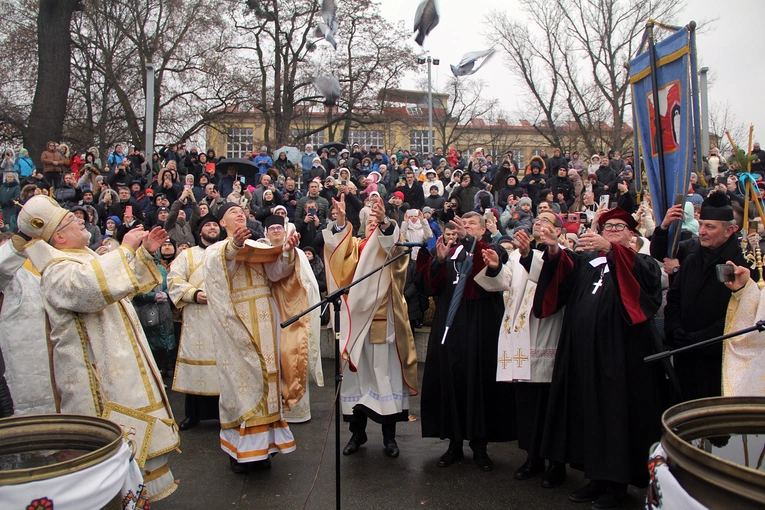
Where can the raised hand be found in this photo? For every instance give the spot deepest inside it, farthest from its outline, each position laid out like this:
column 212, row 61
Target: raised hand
column 742, row 275
column 674, row 213
column 378, row 211
column 154, row 239
column 522, row 243
column 292, row 241
column 490, row 258
column 241, row 234
column 442, row 249
column 134, row 237
column 339, row 206
column 459, row 226
column 592, row 241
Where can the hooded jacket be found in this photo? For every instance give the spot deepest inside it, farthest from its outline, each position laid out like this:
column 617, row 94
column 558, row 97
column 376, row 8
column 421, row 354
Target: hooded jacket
column 95, row 232
column 8, row 165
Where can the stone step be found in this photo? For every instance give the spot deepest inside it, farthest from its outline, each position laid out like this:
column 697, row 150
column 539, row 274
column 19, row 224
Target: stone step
column 420, row 342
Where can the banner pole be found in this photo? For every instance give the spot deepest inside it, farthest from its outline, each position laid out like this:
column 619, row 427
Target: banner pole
column 657, row 119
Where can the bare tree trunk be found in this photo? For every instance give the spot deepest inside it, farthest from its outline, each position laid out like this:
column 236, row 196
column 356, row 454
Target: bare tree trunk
column 46, row 120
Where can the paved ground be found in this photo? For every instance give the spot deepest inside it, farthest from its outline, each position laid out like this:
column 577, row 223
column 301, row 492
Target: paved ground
column 369, row 479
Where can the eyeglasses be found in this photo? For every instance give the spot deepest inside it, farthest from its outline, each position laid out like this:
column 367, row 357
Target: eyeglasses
column 554, row 223
column 275, row 228
column 62, row 227
column 619, row 227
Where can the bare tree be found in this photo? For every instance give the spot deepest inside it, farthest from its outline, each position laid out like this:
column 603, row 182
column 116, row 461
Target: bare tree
column 547, row 52
column 722, row 119
column 116, row 41
column 46, row 119
column 278, row 41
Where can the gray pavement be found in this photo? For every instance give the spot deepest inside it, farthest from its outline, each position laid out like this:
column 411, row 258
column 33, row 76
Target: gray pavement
column 369, row 479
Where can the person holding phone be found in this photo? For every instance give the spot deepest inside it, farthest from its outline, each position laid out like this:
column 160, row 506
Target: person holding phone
column 696, row 287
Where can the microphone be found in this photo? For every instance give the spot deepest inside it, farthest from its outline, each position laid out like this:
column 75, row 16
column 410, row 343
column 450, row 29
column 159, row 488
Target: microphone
column 421, row 244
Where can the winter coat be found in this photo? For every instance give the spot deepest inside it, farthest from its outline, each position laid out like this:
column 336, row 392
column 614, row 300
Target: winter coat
column 162, row 336
column 24, row 166
column 180, row 230
column 533, row 184
column 562, row 185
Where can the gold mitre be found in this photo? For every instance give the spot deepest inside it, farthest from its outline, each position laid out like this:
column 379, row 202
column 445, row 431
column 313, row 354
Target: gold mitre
column 40, row 217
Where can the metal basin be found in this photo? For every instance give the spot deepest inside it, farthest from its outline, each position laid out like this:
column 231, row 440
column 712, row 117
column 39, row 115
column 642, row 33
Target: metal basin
column 709, row 443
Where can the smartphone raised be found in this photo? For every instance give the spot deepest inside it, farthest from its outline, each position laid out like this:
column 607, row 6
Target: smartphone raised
column 128, row 210
column 725, row 273
column 604, row 200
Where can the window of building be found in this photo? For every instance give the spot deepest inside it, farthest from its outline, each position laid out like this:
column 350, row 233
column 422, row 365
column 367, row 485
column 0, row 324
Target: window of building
column 519, row 158
column 366, row 138
column 315, row 139
column 414, row 110
column 418, row 139
column 239, row 142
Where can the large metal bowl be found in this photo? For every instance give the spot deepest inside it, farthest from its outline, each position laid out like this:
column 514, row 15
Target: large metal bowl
column 714, row 481
column 98, row 437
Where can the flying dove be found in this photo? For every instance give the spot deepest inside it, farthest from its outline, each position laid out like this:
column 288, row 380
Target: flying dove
column 425, row 20
column 467, row 65
column 328, row 25
column 329, row 87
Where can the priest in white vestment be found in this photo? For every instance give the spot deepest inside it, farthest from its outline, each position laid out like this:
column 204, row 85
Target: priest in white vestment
column 196, row 374
column 526, row 353
column 102, row 363
column 743, row 367
column 277, row 228
column 247, row 298
column 375, row 336
column 23, row 335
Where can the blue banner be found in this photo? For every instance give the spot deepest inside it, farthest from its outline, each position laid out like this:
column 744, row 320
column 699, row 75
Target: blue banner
column 675, row 100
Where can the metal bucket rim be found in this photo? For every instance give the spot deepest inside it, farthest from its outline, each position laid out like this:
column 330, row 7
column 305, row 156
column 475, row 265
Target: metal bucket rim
column 17, row 476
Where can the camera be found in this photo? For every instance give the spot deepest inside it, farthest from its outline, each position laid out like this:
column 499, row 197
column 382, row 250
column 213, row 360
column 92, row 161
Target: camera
column 312, row 211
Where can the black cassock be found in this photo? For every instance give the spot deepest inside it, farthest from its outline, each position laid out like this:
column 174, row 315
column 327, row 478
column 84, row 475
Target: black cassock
column 461, row 398
column 605, row 403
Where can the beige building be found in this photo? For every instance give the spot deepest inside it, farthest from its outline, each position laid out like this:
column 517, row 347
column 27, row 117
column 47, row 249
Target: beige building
column 403, row 123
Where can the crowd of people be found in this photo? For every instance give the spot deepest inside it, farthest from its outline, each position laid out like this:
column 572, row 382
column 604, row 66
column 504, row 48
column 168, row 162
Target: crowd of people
column 570, row 282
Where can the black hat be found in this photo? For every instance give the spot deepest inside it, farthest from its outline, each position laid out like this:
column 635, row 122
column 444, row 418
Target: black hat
column 274, row 219
column 716, row 207
column 225, row 207
column 207, row 219
column 163, row 208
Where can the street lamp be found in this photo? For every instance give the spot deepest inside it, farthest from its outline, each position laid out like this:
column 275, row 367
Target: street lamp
column 435, row 62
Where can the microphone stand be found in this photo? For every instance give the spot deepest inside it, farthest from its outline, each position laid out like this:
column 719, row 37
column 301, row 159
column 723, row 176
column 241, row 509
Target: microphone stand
column 336, row 299
column 760, row 326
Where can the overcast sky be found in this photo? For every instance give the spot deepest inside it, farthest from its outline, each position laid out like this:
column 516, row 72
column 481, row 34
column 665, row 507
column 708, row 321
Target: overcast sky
column 732, row 48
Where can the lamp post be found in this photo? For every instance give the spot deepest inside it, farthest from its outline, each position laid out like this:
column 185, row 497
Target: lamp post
column 435, row 62
column 704, row 112
column 149, row 127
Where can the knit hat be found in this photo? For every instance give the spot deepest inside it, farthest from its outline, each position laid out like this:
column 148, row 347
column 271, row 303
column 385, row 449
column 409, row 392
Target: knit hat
column 716, row 207
column 116, row 220
column 426, row 209
column 399, row 194
column 40, row 217
column 278, row 207
column 208, row 218
column 525, row 200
